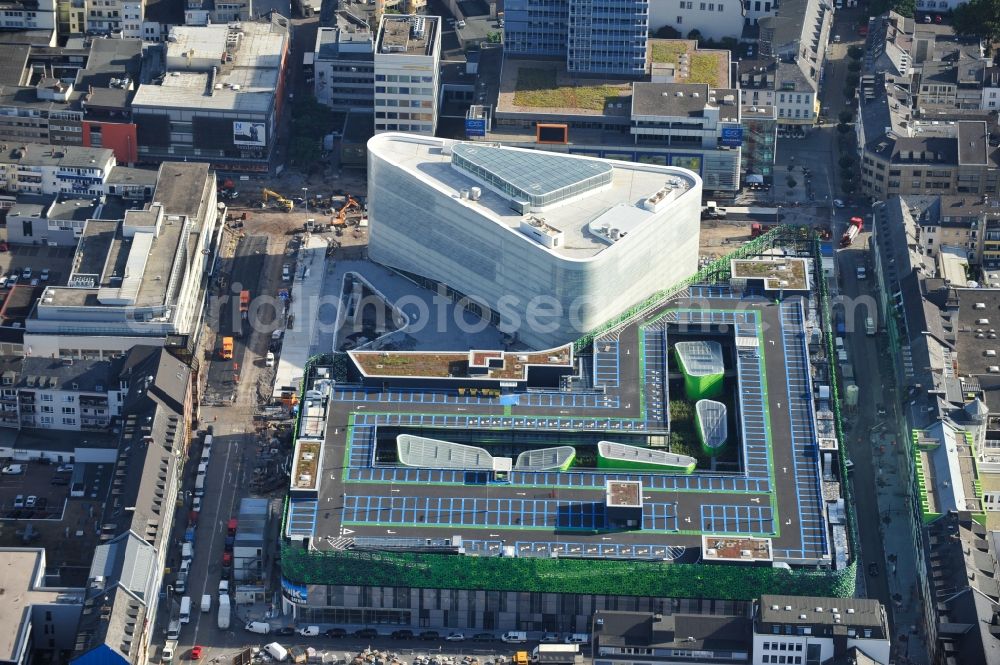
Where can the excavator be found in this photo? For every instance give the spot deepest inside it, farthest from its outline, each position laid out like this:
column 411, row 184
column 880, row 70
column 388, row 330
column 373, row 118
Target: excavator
column 350, row 205
column 286, row 204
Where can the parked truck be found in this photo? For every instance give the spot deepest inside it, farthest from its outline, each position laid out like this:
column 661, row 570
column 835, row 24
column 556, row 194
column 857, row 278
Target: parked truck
column 244, row 303
column 224, row 612
column 227, row 348
column 855, row 226
column 870, row 328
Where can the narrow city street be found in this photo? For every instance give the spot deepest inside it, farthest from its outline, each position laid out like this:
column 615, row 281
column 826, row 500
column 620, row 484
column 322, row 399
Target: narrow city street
column 879, row 465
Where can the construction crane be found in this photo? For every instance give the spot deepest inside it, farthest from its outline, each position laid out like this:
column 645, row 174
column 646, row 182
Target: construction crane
column 268, row 194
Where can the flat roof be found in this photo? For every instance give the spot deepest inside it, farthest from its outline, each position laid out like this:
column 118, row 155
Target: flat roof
column 692, row 64
column 545, row 86
column 21, row 576
column 454, row 508
column 506, row 365
column 776, row 272
column 428, row 160
column 254, row 71
column 407, row 35
column 701, row 358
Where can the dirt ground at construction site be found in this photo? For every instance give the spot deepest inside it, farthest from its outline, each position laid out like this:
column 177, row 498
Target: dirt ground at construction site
column 719, row 238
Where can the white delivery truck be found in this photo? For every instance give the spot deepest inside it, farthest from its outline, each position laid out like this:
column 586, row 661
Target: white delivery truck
column 206, row 602
column 224, row 612
column 276, row 651
column 514, row 637
column 560, row 652
column 186, row 609
column 169, row 649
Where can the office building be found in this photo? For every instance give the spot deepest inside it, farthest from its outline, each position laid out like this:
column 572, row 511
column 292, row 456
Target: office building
column 38, row 618
column 798, row 630
column 136, row 280
column 604, row 37
column 71, row 96
column 344, row 65
column 674, row 118
column 494, row 224
column 407, row 70
column 220, row 99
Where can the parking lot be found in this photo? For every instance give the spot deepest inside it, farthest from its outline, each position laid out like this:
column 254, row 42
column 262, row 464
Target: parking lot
column 18, row 258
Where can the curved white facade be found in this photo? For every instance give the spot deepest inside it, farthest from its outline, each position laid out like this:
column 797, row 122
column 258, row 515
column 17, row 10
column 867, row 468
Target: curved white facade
column 421, row 223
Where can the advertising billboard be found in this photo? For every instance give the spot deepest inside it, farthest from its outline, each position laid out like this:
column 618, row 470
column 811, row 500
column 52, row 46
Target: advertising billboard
column 295, row 593
column 732, row 136
column 475, row 127
column 249, row 134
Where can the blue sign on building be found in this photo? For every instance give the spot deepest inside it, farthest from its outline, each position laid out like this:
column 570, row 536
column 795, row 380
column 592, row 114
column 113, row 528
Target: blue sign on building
column 475, row 127
column 732, row 136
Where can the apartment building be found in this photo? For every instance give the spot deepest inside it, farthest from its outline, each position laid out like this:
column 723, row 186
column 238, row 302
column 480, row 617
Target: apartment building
column 56, row 394
column 903, row 155
column 123, row 591
column 344, row 64
column 407, row 65
column 220, row 99
column 795, row 39
column 714, row 20
column 55, row 170
column 634, row 638
column 23, row 15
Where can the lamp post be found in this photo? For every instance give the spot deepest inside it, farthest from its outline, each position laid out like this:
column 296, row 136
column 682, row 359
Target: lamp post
column 305, row 197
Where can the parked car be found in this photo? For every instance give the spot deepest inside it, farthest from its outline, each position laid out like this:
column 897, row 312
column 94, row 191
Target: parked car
column 336, row 633
column 45, row 275
column 402, row 634
column 13, row 469
column 26, row 273
column 64, row 468
column 366, row 633
column 196, row 652
column 873, row 569
column 284, row 631
column 269, row 359
column 309, row 631
column 550, row 638
column 42, row 503
column 430, row 635
column 59, row 480
column 483, row 637
column 837, row 203
column 19, row 501
column 455, row 637
column 31, row 501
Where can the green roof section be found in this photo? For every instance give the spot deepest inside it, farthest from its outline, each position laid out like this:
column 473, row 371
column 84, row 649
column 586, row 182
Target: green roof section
column 589, row 576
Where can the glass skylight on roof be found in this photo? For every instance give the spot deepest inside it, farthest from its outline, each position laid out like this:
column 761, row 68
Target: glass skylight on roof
column 540, row 178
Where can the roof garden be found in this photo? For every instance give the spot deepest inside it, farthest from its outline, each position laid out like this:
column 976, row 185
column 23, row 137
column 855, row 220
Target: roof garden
column 545, row 85
column 479, row 365
column 305, row 472
column 777, row 273
column 715, row 548
column 703, row 66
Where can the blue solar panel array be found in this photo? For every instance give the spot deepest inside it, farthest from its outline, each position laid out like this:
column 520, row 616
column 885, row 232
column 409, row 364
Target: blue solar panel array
column 810, row 519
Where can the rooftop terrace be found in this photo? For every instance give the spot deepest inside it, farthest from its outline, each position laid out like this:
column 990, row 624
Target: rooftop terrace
column 691, row 64
column 495, row 365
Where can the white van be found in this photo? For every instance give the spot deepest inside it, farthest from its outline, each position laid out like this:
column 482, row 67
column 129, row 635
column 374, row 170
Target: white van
column 186, row 609
column 202, row 469
column 259, row 627
column 514, row 637
column 199, row 486
column 187, row 551
column 276, row 651
column 206, row 602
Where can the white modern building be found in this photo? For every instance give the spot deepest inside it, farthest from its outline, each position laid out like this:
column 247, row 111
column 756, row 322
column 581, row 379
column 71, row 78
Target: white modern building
column 407, row 66
column 714, row 20
column 137, row 280
column 798, row 630
column 549, row 245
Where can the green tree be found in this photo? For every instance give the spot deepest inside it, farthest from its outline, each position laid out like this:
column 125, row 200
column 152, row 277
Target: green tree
column 854, row 66
column 846, row 162
column 978, row 18
column 494, row 37
column 846, row 117
column 855, row 53
column 791, row 182
column 843, row 129
column 668, row 32
column 694, row 34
